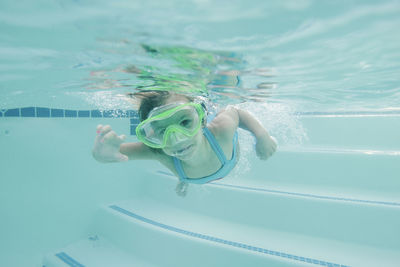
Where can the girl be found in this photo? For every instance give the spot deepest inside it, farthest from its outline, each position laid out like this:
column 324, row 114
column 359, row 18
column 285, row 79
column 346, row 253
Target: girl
column 174, row 131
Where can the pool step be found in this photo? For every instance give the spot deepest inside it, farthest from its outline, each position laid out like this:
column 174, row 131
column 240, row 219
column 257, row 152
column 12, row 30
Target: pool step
column 350, row 154
column 94, row 251
column 330, row 202
column 330, row 171
column 326, row 216
column 245, row 231
column 227, row 225
column 355, row 132
column 192, row 240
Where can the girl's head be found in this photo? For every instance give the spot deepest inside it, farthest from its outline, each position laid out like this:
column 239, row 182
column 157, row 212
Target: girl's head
column 170, row 121
column 152, row 99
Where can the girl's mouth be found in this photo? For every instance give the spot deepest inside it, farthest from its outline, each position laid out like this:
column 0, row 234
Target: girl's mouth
column 183, row 150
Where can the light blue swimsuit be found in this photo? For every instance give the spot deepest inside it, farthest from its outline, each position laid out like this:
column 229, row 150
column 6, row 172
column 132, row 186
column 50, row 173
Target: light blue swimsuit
column 227, row 165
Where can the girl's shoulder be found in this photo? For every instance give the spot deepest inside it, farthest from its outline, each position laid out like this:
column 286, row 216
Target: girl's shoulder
column 224, row 130
column 225, row 123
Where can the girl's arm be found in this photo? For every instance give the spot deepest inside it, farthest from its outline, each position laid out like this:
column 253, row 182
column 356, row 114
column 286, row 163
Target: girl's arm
column 108, row 147
column 231, row 118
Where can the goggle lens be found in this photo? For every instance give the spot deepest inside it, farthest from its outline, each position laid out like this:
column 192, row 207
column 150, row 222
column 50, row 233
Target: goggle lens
column 185, row 119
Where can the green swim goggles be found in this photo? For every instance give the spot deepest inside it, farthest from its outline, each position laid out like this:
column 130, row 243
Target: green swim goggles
column 171, row 123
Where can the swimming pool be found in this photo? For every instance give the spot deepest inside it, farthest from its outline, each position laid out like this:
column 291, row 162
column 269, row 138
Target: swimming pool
column 322, row 77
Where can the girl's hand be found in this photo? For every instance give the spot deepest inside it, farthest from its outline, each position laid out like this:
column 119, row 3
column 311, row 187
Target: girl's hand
column 106, row 145
column 265, row 146
column 181, row 188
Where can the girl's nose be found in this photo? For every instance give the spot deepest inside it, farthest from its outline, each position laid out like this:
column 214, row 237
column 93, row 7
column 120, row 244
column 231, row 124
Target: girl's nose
column 176, row 137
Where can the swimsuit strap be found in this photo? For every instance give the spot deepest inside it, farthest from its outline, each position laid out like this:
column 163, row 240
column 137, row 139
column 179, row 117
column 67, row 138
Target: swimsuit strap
column 179, row 169
column 214, row 145
column 226, row 167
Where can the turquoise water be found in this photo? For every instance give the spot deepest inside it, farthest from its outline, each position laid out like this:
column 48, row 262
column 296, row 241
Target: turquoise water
column 321, row 76
column 318, row 56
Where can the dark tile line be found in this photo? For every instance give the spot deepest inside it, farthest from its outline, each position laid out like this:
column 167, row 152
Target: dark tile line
column 41, row 112
column 224, row 241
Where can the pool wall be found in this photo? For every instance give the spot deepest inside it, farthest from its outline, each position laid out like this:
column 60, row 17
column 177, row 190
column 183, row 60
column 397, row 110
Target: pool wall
column 341, row 185
column 50, row 185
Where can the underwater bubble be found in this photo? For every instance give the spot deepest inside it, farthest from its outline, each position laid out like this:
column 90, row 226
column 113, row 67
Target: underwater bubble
column 281, row 123
column 107, row 100
column 279, row 120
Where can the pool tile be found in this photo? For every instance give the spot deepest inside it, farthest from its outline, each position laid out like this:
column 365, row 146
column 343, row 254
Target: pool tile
column 133, row 129
column 56, row 113
column 108, row 113
column 28, row 112
column 83, row 113
column 12, row 112
column 70, row 113
column 135, row 121
column 43, row 112
column 133, row 114
column 121, row 113
column 96, row 113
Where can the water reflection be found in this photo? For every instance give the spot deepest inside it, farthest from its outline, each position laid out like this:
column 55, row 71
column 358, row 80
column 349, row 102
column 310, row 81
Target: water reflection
column 218, row 75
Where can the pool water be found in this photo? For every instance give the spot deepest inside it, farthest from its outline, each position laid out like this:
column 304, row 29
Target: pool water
column 321, row 76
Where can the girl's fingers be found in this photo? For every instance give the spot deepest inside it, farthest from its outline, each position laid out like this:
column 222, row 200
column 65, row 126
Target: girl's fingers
column 105, row 129
column 98, row 128
column 110, row 135
column 122, row 137
column 122, row 157
column 102, row 131
column 106, row 135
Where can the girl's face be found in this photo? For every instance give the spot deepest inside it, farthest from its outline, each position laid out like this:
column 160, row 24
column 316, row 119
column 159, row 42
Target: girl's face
column 179, row 145
column 185, row 147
